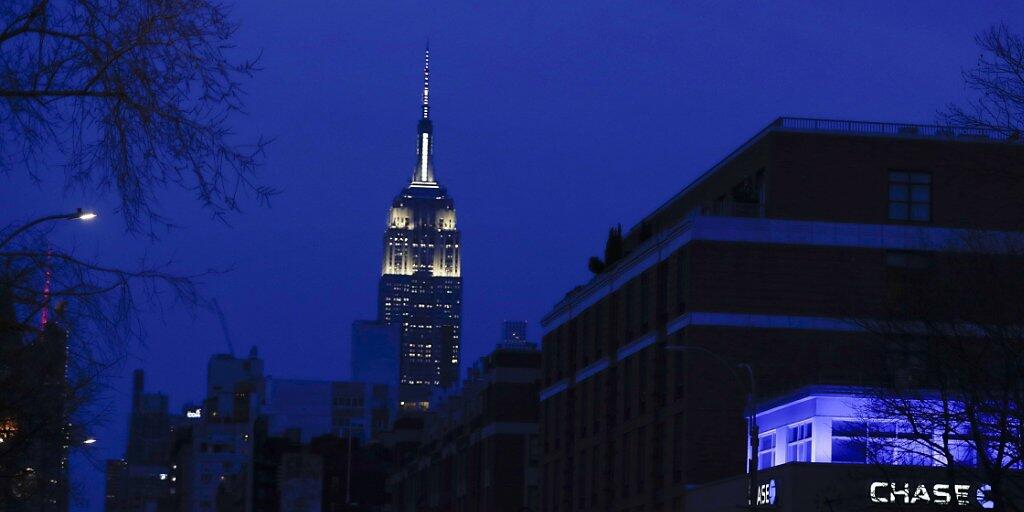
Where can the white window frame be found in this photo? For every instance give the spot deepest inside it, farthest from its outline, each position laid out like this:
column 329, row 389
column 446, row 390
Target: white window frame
column 800, row 445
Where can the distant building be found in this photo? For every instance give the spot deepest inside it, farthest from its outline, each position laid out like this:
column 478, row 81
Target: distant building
column 214, row 450
column 513, row 331
column 116, row 494
column 326, row 473
column 513, row 334
column 375, row 352
column 478, row 448
column 206, row 459
column 228, row 378
column 306, row 409
column 35, row 429
column 141, row 481
column 421, row 279
column 300, row 480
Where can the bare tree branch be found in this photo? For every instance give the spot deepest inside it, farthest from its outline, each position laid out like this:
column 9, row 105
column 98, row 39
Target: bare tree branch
column 145, row 88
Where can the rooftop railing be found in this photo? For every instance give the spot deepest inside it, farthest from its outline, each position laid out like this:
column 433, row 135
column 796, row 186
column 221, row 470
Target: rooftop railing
column 728, row 209
column 890, row 129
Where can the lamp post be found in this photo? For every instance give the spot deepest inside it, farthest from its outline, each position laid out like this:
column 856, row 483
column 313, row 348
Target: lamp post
column 348, row 465
column 79, row 214
column 751, row 413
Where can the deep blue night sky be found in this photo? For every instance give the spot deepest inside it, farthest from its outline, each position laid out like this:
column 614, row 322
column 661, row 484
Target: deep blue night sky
column 553, row 122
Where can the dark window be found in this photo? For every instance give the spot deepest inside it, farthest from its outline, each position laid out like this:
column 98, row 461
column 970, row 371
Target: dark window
column 680, row 282
column 642, row 387
column 909, row 259
column 849, row 428
column 846, row 449
column 645, row 301
column 625, row 463
column 910, row 196
column 627, row 308
column 677, row 448
column 641, row 457
column 628, row 385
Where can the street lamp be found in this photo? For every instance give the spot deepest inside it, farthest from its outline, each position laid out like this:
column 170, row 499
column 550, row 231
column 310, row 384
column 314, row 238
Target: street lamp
column 90, row 440
column 85, row 215
column 79, row 214
column 751, row 413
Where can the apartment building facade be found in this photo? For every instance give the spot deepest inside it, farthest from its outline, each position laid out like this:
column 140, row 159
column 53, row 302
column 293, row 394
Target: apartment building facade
column 478, row 450
column 767, row 259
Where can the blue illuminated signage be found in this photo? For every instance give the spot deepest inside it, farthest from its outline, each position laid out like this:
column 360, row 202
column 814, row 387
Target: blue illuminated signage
column 766, row 493
column 906, row 493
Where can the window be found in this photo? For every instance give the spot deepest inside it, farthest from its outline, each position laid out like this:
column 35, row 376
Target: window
column 766, row 451
column 625, row 464
column 880, row 442
column 641, row 457
column 963, row 452
column 849, row 441
column 677, row 448
column 799, row 443
column 910, row 196
column 909, row 259
column 680, row 282
column 641, row 388
column 645, row 301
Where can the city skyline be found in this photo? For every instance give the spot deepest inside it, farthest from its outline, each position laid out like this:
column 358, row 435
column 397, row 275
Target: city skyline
column 540, row 128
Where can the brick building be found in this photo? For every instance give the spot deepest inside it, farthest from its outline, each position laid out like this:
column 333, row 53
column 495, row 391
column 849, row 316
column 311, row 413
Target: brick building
column 478, row 449
column 766, row 259
column 291, row 475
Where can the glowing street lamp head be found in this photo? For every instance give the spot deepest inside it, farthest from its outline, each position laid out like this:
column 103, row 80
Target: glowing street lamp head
column 84, row 215
column 89, row 441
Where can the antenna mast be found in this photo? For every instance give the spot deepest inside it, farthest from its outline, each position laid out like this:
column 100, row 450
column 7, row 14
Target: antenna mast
column 224, row 327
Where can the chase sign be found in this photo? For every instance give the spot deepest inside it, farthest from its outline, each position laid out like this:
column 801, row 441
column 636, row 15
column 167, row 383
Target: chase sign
column 765, row 493
column 906, row 493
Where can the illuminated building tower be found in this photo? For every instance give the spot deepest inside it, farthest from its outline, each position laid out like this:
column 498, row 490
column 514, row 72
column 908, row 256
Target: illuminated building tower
column 513, row 332
column 421, row 283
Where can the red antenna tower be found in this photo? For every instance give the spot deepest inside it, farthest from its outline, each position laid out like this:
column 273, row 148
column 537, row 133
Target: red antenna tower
column 44, row 316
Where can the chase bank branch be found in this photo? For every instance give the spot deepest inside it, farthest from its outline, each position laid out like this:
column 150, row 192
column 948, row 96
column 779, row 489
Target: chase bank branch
column 816, row 454
column 816, row 486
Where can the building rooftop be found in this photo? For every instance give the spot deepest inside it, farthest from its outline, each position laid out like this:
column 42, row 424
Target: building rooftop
column 847, row 127
column 880, row 129
column 669, row 217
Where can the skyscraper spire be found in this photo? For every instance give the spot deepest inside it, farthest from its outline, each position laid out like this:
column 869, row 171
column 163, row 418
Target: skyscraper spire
column 421, row 274
column 426, row 82
column 423, row 176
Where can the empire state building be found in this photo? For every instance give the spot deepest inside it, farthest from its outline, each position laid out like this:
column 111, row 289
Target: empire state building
column 421, row 282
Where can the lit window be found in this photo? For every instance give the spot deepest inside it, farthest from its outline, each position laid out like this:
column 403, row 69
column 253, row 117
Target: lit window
column 910, row 196
column 798, row 447
column 849, row 441
column 766, row 451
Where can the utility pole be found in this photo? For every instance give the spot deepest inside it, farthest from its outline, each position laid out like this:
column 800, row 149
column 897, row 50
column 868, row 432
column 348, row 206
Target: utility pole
column 755, row 437
column 750, row 415
column 348, row 469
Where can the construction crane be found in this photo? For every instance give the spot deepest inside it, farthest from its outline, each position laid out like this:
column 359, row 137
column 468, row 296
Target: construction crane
column 224, row 327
